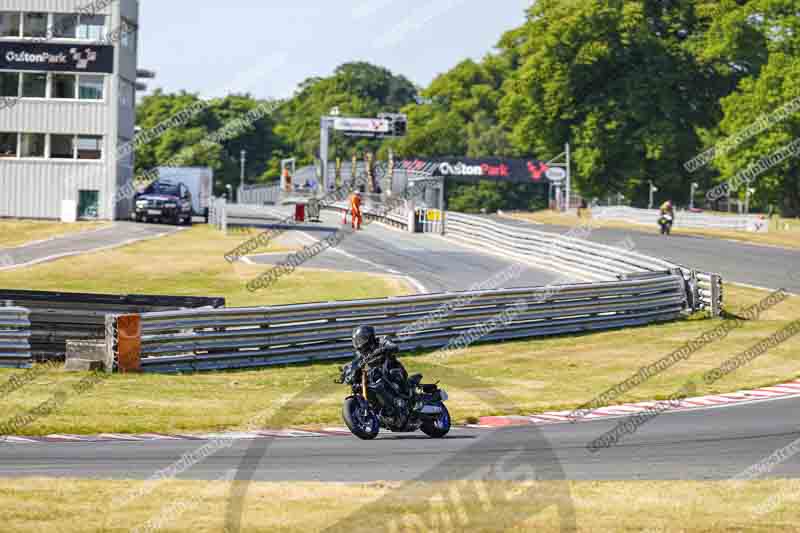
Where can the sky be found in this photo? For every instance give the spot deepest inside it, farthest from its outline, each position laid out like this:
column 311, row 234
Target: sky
column 267, row 47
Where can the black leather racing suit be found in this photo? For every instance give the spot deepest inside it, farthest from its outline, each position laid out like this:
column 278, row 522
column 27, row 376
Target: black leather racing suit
column 386, row 374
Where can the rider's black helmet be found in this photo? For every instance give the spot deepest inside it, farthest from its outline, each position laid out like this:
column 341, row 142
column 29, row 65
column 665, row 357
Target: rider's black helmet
column 364, row 338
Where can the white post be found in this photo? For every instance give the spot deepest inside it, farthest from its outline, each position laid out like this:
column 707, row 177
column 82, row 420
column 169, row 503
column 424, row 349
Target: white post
column 323, row 151
column 569, row 176
column 243, row 163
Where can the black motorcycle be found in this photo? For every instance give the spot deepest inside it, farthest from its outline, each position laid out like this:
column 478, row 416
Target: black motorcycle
column 412, row 405
column 665, row 222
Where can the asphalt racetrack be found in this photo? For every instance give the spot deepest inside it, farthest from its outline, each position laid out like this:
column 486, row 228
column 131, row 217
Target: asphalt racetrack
column 434, row 263
column 705, row 444
column 739, row 262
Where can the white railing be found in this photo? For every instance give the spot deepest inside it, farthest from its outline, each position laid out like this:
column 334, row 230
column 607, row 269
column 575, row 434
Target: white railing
column 259, row 194
column 683, row 219
column 572, row 256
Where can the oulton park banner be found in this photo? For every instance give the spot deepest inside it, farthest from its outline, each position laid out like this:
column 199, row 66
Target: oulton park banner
column 468, row 169
column 57, row 57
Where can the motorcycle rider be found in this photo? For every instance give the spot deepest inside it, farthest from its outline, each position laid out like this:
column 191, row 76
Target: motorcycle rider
column 667, row 218
column 386, row 374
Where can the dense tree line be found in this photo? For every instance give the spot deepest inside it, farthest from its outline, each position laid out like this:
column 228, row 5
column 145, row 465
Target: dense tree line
column 639, row 88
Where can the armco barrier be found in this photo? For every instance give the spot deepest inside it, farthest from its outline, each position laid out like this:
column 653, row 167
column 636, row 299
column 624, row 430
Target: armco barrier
column 217, row 339
column 550, row 251
column 15, row 331
column 56, row 317
column 685, row 219
column 259, row 194
column 579, row 258
column 255, row 213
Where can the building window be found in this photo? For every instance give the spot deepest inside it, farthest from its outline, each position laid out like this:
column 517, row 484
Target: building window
column 64, row 86
column 65, row 26
column 34, row 85
column 9, row 84
column 88, row 204
column 127, row 35
column 32, row 145
column 90, row 147
column 34, row 25
column 8, row 145
column 92, row 27
column 9, row 24
column 62, row 146
column 126, row 94
column 90, row 87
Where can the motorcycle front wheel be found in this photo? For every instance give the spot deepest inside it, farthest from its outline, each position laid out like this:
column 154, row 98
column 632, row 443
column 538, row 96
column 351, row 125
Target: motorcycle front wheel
column 360, row 419
column 439, row 426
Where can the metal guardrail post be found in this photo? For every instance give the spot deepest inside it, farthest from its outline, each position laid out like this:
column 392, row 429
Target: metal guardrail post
column 716, row 295
column 112, row 359
column 224, row 217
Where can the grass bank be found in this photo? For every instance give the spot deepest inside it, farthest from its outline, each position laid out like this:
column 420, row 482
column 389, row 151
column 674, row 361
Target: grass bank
column 191, row 263
column 70, row 506
column 18, row 232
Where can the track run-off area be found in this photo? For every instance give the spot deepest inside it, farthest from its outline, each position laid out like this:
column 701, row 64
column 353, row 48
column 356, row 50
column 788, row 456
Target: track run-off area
column 701, row 444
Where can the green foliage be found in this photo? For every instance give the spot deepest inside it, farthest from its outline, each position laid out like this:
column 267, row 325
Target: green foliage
column 262, row 145
column 777, row 84
column 492, row 196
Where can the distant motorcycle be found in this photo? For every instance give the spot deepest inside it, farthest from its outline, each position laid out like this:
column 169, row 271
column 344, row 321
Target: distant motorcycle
column 416, row 407
column 665, row 222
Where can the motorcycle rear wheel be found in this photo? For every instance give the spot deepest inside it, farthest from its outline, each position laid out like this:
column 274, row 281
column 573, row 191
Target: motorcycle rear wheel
column 363, row 425
column 438, row 427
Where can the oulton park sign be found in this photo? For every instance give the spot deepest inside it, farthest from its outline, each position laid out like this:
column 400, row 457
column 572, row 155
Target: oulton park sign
column 499, row 169
column 57, row 57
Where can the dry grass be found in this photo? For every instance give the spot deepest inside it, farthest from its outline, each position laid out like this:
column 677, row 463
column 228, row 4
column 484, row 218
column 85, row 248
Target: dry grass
column 191, row 263
column 492, row 379
column 70, row 506
column 18, row 232
column 778, row 236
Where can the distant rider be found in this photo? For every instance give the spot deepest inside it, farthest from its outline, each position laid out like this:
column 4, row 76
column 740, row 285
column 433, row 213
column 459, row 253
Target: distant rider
column 667, row 218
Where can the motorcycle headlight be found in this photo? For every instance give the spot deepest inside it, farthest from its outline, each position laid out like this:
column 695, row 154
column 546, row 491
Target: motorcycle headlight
column 443, row 395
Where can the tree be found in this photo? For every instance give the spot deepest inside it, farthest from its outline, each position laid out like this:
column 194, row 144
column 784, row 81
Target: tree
column 764, row 91
column 618, row 80
column 189, row 141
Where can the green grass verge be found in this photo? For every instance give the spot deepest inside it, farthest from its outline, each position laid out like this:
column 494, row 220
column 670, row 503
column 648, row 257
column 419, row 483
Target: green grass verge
column 475, row 506
column 191, row 263
column 18, row 232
